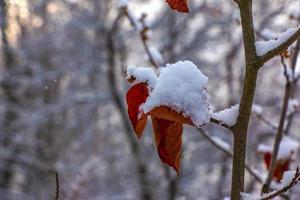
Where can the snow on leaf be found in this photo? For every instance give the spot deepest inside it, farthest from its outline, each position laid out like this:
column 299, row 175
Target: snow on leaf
column 178, row 96
column 179, row 5
column 262, row 47
column 141, row 74
column 182, row 87
column 136, row 96
column 227, row 116
column 168, row 141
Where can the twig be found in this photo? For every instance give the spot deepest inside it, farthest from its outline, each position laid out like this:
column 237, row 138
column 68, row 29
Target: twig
column 57, row 186
column 284, row 189
column 266, row 121
column 146, row 193
column 228, row 153
column 276, row 51
column 143, row 29
column 216, row 121
column 279, row 134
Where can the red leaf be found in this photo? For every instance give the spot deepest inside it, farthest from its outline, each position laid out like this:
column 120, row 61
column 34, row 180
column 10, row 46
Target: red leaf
column 280, row 167
column 135, row 96
column 168, row 141
column 267, row 159
column 179, row 5
column 166, row 113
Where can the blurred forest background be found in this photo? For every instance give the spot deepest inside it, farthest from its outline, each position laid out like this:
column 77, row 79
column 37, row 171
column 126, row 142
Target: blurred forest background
column 62, row 84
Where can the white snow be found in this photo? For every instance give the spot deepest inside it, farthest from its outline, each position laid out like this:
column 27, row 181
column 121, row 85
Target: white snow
column 157, row 57
column 288, row 177
column 262, row 47
column 293, row 106
column 258, row 109
column 122, row 3
column 287, row 148
column 227, row 116
column 221, row 143
column 247, row 196
column 182, row 86
column 142, row 74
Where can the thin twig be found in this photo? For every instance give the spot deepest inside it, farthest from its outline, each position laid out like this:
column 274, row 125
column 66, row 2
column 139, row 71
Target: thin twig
column 216, row 121
column 143, row 29
column 57, row 186
column 279, row 133
column 284, row 189
column 266, row 121
column 228, row 153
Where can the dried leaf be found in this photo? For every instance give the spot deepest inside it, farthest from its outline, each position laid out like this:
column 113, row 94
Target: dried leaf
column 168, row 141
column 179, row 5
column 280, row 167
column 136, row 96
column 166, row 113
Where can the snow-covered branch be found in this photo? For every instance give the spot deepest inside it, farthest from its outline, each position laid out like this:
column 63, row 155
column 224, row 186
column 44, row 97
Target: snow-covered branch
column 266, row 50
column 142, row 27
column 289, row 180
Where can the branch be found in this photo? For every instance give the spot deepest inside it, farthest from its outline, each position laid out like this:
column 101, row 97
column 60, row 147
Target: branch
column 279, row 134
column 276, row 51
column 286, row 188
column 266, row 121
column 213, row 120
column 142, row 27
column 56, row 186
column 228, row 153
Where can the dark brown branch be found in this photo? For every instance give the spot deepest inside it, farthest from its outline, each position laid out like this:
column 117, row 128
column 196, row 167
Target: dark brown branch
column 276, row 51
column 241, row 127
column 215, row 121
column 56, row 186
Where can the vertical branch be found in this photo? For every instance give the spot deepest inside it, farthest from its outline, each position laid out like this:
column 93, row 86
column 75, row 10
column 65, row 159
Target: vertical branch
column 7, row 54
column 241, row 128
column 280, row 130
column 142, row 172
column 56, row 186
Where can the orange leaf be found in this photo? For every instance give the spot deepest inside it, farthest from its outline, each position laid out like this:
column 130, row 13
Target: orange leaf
column 179, row 5
column 135, row 96
column 166, row 113
column 168, row 141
